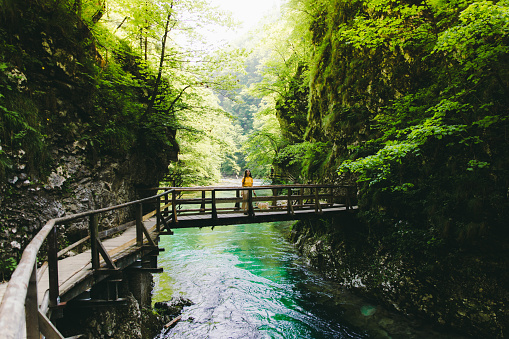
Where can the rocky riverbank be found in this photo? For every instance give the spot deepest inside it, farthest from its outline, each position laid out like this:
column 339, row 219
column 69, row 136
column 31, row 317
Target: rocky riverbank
column 462, row 290
column 131, row 317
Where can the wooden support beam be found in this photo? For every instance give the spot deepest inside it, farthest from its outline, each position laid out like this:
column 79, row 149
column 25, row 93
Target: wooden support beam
column 101, row 272
column 139, row 225
column 32, row 307
column 163, row 221
column 86, row 303
column 289, row 205
column 214, row 207
column 53, row 267
column 237, row 196
column 93, row 229
column 147, row 234
column 158, row 214
column 48, row 329
column 105, row 255
column 202, row 206
column 166, row 203
column 250, row 203
column 318, row 207
column 148, row 269
column 348, row 195
column 70, row 247
column 174, row 207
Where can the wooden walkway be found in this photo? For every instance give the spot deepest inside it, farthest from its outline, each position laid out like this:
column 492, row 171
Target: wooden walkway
column 260, row 216
column 33, row 293
column 75, row 273
column 216, row 206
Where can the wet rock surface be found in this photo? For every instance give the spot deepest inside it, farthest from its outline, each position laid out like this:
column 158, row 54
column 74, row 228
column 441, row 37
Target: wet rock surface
column 463, row 291
column 172, row 308
column 73, row 186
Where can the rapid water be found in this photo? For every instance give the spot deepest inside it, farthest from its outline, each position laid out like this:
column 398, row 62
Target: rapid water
column 247, row 281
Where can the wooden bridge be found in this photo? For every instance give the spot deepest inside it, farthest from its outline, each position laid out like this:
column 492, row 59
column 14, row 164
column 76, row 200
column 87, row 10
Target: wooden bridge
column 35, row 294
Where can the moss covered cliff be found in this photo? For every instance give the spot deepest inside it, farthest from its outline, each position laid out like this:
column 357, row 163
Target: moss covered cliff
column 73, row 132
column 407, row 100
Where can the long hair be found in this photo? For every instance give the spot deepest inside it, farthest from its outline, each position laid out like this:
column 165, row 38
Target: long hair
column 245, row 173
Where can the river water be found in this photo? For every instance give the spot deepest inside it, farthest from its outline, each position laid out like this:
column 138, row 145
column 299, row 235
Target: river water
column 247, row 281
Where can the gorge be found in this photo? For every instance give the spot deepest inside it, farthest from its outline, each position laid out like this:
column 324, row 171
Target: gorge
column 405, row 100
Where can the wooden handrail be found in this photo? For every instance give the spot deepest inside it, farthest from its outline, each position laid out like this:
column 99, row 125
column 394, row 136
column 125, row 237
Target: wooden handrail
column 12, row 307
column 320, row 196
column 230, row 188
column 20, row 290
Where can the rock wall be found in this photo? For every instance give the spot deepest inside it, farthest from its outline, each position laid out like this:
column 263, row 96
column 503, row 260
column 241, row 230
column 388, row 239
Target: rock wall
column 136, row 320
column 74, row 185
column 464, row 291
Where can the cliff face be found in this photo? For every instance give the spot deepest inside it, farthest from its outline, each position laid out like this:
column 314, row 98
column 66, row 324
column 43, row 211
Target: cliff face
column 67, row 144
column 457, row 289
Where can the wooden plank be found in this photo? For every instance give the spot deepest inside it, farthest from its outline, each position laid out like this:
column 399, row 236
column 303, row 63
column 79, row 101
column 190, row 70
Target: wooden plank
column 105, row 255
column 47, row 328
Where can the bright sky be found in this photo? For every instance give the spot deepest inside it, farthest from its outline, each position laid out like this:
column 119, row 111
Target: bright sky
column 248, row 11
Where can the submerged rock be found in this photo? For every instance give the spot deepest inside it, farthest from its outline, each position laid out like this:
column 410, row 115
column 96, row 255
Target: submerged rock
column 172, row 308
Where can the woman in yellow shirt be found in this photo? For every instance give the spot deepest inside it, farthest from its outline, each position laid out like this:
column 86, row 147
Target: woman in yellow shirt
column 247, row 181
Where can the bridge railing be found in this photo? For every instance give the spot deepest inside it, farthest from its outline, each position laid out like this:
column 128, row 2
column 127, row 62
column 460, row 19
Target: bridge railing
column 20, row 314
column 186, row 201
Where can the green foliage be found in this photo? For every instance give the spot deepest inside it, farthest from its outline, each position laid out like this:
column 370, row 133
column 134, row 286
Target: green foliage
column 133, row 94
column 20, row 125
column 7, row 266
column 263, row 144
column 414, row 99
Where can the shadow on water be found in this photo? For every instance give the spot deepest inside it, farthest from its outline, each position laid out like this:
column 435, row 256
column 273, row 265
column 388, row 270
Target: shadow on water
column 247, row 281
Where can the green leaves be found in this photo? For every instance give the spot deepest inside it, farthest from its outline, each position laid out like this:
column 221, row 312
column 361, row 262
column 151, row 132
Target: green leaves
column 413, row 98
column 377, row 168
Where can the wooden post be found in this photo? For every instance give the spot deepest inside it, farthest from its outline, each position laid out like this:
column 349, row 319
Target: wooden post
column 289, row 207
column 202, row 207
column 301, row 199
column 53, row 267
column 158, row 214
column 348, row 202
column 139, row 225
column 174, row 206
column 94, row 235
column 237, row 195
column 32, row 307
column 274, row 199
column 214, row 207
column 318, row 207
column 166, row 201
column 250, row 203
column 331, row 195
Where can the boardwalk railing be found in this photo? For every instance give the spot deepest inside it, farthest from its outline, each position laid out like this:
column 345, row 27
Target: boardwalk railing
column 214, row 202
column 20, row 315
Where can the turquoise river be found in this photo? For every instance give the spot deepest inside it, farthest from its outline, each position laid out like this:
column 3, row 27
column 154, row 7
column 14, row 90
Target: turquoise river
column 247, row 281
